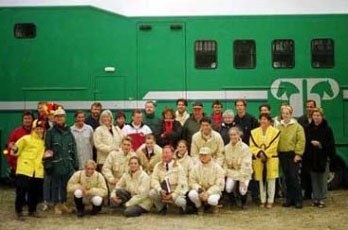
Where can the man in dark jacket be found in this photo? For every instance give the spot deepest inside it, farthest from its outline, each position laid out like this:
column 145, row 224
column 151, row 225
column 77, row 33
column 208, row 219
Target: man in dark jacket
column 61, row 156
column 151, row 120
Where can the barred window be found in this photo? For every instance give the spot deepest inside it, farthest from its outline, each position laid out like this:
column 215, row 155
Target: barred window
column 323, row 53
column 244, row 54
column 283, row 54
column 25, row 30
column 205, row 54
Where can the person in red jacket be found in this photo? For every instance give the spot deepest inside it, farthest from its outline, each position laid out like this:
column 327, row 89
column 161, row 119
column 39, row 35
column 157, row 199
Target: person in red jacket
column 15, row 135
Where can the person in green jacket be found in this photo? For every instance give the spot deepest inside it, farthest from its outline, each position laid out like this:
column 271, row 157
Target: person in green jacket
column 61, row 150
column 290, row 150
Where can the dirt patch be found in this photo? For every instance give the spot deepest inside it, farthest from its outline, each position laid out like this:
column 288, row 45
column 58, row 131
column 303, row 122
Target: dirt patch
column 334, row 216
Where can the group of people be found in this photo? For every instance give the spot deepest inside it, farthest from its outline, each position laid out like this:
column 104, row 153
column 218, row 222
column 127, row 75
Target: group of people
column 181, row 159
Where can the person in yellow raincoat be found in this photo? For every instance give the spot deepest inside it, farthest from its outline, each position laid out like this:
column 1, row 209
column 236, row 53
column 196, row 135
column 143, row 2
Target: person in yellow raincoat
column 263, row 145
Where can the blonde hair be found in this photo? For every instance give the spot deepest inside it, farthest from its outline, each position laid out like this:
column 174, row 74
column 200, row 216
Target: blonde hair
column 287, row 107
column 318, row 110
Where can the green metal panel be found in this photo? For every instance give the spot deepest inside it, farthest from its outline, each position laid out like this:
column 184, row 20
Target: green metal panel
column 110, row 88
column 160, row 57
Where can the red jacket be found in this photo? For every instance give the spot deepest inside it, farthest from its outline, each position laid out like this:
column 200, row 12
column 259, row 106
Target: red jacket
column 14, row 137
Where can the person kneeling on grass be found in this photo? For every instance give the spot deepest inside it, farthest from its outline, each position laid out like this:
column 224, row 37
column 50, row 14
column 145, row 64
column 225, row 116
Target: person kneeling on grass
column 88, row 185
column 207, row 181
column 132, row 190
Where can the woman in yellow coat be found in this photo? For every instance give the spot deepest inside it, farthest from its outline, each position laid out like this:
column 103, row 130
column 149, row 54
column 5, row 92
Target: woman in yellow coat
column 29, row 173
column 263, row 145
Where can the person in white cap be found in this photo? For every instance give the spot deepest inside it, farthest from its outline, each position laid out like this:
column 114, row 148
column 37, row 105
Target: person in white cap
column 88, row 186
column 168, row 182
column 206, row 181
column 61, row 150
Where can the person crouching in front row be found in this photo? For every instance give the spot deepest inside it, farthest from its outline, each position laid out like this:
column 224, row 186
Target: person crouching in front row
column 207, row 181
column 88, row 185
column 132, row 190
column 168, row 183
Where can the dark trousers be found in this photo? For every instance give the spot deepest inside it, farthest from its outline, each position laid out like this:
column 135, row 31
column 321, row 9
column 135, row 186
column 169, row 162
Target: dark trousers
column 306, row 181
column 130, row 211
column 254, row 190
column 59, row 184
column 28, row 191
column 292, row 177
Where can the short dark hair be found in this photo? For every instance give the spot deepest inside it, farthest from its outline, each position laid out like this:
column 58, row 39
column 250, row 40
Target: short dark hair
column 265, row 115
column 27, row 113
column 151, row 102
column 311, row 100
column 205, row 119
column 181, row 100
column 150, row 137
column 79, row 112
column 134, row 158
column 170, row 110
column 265, row 105
column 240, row 100
column 136, row 111
column 217, row 102
column 96, row 104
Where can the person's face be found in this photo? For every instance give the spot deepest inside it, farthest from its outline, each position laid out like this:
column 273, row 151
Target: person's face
column 150, row 143
column 51, row 117
column 80, row 119
column 134, row 165
column 41, row 108
column 240, row 107
column 286, row 114
column 59, row 119
column 106, row 120
column 217, row 109
column 167, row 155
column 205, row 158
column 120, row 121
column 89, row 169
column 95, row 111
column 168, row 116
column 228, row 119
column 197, row 112
column 181, row 107
column 234, row 136
column 126, row 146
column 317, row 117
column 182, row 148
column 39, row 131
column 27, row 121
column 206, row 128
column 149, row 108
column 264, row 110
column 138, row 118
column 264, row 122
column 310, row 107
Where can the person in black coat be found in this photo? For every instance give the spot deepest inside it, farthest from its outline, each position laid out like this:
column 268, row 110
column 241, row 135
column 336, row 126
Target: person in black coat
column 320, row 147
column 171, row 129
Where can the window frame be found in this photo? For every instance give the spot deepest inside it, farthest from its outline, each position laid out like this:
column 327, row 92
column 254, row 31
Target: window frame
column 207, row 51
column 333, row 54
column 279, row 53
column 253, row 53
column 21, row 26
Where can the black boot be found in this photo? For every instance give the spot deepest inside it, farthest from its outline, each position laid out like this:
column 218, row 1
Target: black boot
column 79, row 206
column 96, row 210
column 243, row 200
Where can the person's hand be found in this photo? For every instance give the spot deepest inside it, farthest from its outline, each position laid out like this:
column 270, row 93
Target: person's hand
column 316, row 143
column 167, row 198
column 297, row 158
column 116, row 200
column 48, row 153
column 10, row 144
column 113, row 181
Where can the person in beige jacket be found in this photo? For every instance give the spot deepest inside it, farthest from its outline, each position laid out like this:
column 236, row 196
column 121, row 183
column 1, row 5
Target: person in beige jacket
column 207, row 137
column 88, row 185
column 149, row 153
column 132, row 190
column 107, row 137
column 183, row 158
column 237, row 165
column 168, row 182
column 207, row 181
column 117, row 162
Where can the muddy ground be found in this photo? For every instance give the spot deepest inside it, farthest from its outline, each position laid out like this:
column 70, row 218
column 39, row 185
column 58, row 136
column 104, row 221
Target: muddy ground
column 334, row 216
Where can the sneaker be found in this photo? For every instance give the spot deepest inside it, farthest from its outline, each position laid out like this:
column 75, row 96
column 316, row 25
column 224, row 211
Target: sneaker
column 321, row 204
column 315, row 203
column 58, row 209
column 66, row 209
column 262, row 205
column 163, row 211
column 269, row 205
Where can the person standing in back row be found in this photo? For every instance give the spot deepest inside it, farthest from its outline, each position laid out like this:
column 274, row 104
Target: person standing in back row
column 93, row 121
column 151, row 120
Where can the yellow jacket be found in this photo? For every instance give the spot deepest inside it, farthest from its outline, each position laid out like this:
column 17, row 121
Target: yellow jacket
column 292, row 137
column 267, row 143
column 30, row 152
column 138, row 185
column 94, row 184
